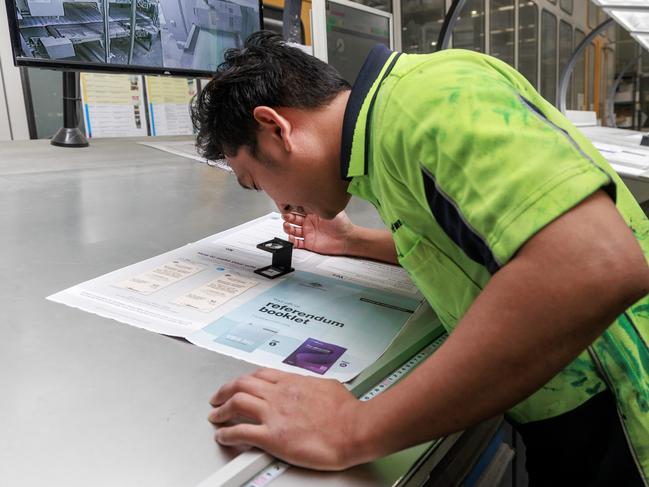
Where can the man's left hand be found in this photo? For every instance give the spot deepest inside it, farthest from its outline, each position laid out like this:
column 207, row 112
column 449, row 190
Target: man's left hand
column 304, row 421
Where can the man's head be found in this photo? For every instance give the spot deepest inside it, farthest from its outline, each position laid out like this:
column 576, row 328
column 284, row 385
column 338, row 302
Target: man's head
column 275, row 113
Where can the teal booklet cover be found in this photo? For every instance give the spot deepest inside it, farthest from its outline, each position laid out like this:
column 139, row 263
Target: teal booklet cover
column 311, row 324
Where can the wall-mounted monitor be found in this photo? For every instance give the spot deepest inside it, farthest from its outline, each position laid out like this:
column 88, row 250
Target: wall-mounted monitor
column 181, row 37
column 345, row 32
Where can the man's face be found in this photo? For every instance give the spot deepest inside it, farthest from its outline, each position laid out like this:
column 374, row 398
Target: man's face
column 297, row 161
column 293, row 185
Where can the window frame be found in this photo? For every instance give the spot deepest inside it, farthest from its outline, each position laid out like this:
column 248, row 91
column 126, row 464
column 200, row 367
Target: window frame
column 537, row 43
column 562, row 62
column 513, row 32
column 591, row 7
column 484, row 48
column 566, row 10
column 581, row 35
column 549, row 14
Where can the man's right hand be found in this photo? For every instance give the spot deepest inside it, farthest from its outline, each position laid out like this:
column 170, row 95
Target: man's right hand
column 313, row 233
column 339, row 237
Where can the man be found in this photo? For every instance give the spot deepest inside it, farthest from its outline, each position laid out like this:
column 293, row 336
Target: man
column 522, row 238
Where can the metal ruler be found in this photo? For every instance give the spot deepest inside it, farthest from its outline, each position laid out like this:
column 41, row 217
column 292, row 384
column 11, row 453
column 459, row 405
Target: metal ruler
column 277, row 468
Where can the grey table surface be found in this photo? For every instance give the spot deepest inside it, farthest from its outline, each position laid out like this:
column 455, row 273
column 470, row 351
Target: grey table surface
column 85, row 400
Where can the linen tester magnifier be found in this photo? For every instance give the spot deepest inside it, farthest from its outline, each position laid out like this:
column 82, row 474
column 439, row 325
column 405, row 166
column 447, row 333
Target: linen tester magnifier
column 282, row 251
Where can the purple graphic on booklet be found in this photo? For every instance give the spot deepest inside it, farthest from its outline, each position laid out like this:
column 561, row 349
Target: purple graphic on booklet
column 315, row 356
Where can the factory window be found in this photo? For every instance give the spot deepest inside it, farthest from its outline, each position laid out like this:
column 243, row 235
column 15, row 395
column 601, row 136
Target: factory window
column 590, row 73
column 579, row 84
column 549, row 56
column 601, row 17
column 385, row 5
column 565, row 50
column 566, row 6
column 528, row 28
column 45, row 90
column 421, row 22
column 469, row 32
column 351, row 35
column 502, row 30
column 592, row 15
column 644, row 63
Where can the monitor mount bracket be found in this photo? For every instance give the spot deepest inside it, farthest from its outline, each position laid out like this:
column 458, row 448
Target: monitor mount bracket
column 70, row 135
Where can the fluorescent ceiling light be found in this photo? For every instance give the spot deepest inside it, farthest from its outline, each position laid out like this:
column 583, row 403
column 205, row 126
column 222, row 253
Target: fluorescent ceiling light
column 632, row 20
column 621, row 3
column 643, row 39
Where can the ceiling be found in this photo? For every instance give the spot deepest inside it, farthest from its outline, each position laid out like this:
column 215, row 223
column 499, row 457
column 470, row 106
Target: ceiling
column 633, row 15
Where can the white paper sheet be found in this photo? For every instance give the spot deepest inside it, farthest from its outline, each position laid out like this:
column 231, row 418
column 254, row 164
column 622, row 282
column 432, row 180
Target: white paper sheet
column 332, row 317
column 369, row 273
column 113, row 105
column 161, row 276
column 626, row 171
column 216, row 292
column 624, row 156
column 187, row 149
column 244, row 241
column 169, row 100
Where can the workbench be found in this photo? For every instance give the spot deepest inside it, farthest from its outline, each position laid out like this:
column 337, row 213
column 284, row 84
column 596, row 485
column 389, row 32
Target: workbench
column 89, row 401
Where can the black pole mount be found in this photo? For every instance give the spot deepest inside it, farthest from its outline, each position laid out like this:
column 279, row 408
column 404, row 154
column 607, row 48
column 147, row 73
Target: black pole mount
column 70, row 135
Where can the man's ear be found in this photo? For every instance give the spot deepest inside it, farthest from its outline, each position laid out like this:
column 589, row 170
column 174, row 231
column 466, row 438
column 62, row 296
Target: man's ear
column 274, row 125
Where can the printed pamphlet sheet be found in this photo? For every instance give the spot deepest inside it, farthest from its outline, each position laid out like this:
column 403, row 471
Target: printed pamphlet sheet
column 169, row 100
column 113, row 105
column 332, row 317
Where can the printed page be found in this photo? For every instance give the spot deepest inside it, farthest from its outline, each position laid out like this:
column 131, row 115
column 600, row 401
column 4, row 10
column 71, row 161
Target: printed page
column 174, row 293
column 312, row 325
column 369, row 273
column 331, row 317
column 161, row 277
column 113, row 105
column 215, row 293
column 169, row 100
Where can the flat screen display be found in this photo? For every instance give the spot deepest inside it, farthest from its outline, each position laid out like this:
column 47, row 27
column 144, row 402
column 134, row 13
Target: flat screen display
column 351, row 35
column 184, row 37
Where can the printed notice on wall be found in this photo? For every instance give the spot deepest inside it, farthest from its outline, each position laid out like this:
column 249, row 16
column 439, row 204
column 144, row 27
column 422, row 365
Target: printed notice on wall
column 169, row 100
column 320, row 320
column 113, row 105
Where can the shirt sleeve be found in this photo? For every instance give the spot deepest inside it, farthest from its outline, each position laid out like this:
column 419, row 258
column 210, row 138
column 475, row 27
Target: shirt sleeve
column 492, row 166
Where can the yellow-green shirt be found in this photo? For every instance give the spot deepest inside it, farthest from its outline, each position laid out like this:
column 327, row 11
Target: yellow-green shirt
column 465, row 162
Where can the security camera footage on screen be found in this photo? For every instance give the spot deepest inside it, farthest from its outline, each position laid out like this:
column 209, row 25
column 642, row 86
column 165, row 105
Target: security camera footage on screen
column 167, row 34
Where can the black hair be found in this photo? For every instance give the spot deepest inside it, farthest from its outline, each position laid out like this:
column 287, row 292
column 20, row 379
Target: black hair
column 264, row 72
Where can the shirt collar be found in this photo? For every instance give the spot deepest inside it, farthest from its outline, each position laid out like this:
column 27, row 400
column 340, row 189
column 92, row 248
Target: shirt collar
column 376, row 67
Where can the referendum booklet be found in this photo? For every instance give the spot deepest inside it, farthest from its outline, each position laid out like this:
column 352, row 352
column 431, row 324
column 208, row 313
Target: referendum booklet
column 332, row 317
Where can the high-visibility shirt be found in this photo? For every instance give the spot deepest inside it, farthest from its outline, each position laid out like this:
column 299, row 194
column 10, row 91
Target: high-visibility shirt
column 465, row 162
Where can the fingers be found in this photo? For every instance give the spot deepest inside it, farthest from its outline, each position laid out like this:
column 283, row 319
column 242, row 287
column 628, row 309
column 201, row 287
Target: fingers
column 248, row 384
column 270, row 375
column 294, row 218
column 241, row 405
column 290, row 229
column 243, row 434
column 298, row 243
